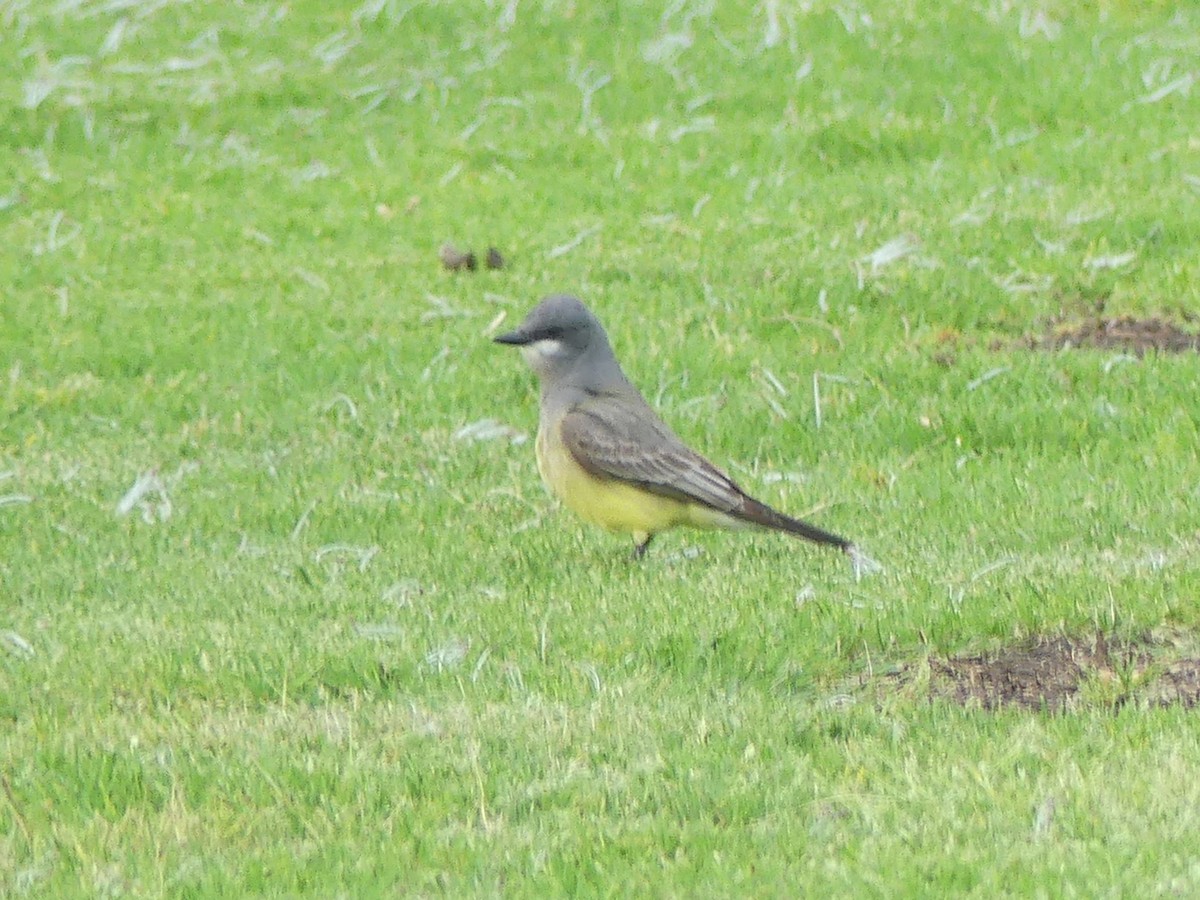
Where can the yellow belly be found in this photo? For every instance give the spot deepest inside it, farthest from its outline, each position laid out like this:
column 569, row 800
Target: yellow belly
column 612, row 504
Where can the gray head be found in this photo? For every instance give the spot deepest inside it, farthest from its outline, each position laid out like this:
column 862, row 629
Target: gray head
column 563, row 342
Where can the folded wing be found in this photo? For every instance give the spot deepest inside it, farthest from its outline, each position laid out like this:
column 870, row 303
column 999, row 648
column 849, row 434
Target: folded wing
column 622, row 438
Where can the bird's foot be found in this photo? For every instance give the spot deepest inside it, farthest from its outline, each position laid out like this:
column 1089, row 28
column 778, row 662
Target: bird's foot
column 639, row 548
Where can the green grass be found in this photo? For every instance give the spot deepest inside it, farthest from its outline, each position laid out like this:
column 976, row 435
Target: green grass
column 357, row 655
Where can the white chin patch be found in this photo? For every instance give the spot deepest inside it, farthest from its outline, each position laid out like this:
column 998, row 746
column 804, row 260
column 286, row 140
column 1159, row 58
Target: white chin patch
column 545, row 349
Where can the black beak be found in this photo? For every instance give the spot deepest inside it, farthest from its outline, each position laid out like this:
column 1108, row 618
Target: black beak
column 516, row 338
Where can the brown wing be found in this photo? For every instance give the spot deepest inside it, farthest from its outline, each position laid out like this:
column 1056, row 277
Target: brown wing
column 622, row 438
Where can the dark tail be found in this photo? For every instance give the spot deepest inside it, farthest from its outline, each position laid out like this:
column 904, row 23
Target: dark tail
column 761, row 514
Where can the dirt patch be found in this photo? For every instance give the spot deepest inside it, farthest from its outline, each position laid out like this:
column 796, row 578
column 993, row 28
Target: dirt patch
column 1178, row 683
column 1126, row 334
column 1060, row 673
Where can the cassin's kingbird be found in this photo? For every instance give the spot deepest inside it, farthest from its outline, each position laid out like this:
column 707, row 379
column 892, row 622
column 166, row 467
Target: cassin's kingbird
column 606, row 454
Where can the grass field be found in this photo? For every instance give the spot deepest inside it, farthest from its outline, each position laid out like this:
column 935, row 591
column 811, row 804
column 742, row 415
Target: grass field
column 282, row 614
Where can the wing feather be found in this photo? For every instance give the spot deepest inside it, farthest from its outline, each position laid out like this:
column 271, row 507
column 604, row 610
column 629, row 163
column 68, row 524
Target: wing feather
column 622, row 438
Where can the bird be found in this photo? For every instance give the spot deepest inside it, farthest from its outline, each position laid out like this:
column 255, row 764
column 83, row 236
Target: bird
column 606, row 454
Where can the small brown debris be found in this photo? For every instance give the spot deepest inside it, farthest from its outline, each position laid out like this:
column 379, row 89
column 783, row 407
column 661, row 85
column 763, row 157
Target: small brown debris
column 456, row 260
column 494, row 259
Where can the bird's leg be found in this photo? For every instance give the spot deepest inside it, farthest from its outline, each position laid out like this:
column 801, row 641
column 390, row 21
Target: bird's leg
column 639, row 547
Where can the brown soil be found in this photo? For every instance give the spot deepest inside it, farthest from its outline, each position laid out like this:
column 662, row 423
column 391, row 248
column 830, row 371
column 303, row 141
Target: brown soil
column 1126, row 334
column 1052, row 673
column 1179, row 683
